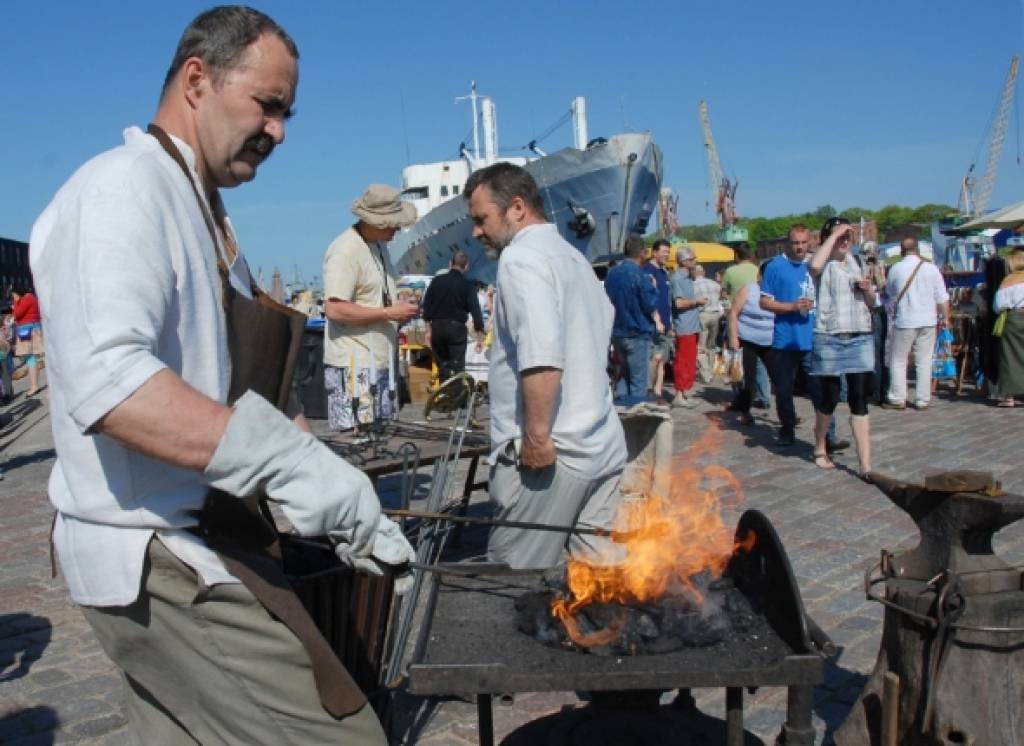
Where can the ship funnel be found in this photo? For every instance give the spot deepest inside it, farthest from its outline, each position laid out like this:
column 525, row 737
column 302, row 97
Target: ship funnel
column 490, row 125
column 579, row 122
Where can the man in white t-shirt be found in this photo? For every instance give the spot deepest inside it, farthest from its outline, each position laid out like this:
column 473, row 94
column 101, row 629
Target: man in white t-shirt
column 125, row 260
column 558, row 448
column 916, row 286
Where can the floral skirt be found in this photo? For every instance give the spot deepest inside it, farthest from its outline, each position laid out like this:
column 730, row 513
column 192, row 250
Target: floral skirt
column 353, row 399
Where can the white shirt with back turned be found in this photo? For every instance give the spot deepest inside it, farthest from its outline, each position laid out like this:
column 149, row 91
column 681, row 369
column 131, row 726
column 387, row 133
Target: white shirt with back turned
column 551, row 311
column 919, row 306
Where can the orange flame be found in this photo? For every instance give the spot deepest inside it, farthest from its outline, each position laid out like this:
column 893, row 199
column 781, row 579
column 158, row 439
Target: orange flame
column 668, row 539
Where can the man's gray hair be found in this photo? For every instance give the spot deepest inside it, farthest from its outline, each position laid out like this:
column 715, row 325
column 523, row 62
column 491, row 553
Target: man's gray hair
column 684, row 253
column 634, row 246
column 220, row 36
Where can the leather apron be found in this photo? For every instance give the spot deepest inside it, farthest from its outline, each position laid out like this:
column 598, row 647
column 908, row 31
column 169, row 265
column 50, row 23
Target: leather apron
column 264, row 339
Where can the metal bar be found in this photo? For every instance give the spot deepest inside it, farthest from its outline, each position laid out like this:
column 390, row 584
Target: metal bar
column 460, row 573
column 485, row 719
column 429, row 516
column 467, row 492
column 820, row 639
column 798, row 730
column 734, row 716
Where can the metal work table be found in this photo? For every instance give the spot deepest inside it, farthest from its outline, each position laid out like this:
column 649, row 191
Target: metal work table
column 470, row 644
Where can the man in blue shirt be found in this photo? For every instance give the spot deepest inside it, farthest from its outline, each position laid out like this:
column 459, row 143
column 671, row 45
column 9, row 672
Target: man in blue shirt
column 635, row 298
column 661, row 345
column 787, row 290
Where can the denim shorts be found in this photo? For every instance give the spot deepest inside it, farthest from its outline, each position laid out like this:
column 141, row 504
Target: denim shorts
column 836, row 354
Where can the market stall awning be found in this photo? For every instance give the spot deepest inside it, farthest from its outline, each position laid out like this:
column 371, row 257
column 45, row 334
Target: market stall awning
column 708, row 252
column 1008, row 217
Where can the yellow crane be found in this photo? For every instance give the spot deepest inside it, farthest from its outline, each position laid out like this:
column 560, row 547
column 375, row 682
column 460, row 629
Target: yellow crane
column 975, row 194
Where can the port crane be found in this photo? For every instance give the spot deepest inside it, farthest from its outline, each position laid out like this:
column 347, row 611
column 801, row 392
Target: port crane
column 976, row 193
column 723, row 189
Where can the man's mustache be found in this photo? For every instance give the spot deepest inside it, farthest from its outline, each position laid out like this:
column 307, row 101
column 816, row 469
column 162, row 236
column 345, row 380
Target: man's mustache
column 261, row 144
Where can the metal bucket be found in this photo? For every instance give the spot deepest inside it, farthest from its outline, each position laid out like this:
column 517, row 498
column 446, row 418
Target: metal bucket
column 352, row 610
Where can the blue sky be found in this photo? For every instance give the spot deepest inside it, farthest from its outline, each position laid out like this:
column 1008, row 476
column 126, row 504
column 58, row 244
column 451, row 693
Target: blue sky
column 865, row 103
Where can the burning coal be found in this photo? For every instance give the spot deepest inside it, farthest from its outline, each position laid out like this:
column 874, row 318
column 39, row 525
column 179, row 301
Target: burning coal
column 668, row 591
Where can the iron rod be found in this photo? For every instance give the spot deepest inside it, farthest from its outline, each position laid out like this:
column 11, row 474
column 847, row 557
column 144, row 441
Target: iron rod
column 430, row 516
column 485, row 719
column 734, row 716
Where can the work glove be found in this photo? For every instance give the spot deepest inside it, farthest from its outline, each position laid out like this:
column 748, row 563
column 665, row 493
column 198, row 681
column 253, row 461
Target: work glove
column 320, row 493
column 391, row 551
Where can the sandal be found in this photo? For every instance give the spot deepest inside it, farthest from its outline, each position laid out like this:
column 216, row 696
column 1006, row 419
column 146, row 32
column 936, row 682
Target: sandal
column 822, row 461
column 1007, row 403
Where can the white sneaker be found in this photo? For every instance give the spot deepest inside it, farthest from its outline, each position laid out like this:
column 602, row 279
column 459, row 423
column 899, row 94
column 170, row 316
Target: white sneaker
column 683, row 402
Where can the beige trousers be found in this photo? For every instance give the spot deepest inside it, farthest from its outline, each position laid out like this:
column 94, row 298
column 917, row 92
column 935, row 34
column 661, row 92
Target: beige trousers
column 211, row 666
column 709, row 323
column 557, row 497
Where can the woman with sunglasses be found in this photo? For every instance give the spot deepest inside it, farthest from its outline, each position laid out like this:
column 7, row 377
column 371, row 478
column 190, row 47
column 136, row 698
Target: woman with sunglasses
column 843, row 342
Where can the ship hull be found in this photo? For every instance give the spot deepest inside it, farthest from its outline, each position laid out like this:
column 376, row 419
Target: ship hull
column 616, row 182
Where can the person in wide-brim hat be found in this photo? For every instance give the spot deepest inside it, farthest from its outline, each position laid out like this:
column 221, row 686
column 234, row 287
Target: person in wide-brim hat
column 382, row 207
column 363, row 312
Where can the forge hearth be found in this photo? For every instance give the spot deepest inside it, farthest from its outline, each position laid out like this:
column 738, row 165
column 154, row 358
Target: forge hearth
column 954, row 620
column 471, row 643
column 720, row 616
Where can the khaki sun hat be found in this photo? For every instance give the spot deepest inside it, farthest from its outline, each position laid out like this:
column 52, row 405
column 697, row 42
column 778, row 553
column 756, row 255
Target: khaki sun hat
column 382, row 207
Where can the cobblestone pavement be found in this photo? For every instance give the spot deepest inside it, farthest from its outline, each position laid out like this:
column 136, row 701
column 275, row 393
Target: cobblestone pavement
column 56, row 686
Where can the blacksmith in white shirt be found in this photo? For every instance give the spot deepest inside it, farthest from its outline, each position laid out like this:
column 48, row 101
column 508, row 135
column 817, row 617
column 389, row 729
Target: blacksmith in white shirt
column 558, row 448
column 135, row 260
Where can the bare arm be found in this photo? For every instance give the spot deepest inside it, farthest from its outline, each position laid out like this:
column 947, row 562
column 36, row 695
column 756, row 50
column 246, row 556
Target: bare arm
column 776, row 306
column 734, row 317
column 824, row 252
column 685, row 303
column 347, row 312
column 540, row 391
column 168, row 420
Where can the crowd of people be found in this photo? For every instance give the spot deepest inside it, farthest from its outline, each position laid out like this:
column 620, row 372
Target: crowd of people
column 827, row 316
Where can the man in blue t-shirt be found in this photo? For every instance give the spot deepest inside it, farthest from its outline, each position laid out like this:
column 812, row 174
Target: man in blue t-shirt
column 787, row 290
column 661, row 344
column 635, row 298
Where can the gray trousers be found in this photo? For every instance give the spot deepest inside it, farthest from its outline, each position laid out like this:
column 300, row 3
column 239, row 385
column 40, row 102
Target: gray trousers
column 209, row 665
column 554, row 496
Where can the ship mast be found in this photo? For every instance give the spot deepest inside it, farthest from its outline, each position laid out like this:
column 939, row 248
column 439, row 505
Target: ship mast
column 476, row 132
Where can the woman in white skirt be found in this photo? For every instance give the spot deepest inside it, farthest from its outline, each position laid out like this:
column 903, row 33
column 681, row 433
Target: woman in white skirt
column 843, row 342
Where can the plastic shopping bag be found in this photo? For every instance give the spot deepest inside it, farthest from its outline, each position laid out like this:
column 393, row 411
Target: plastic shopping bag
column 943, row 363
column 733, row 365
column 720, row 369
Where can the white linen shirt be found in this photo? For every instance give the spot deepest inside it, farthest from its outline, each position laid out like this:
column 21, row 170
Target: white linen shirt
column 551, row 311
column 128, row 285
column 918, row 308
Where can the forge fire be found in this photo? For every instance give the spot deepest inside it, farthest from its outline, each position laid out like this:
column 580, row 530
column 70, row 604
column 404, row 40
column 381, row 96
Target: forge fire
column 669, row 589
